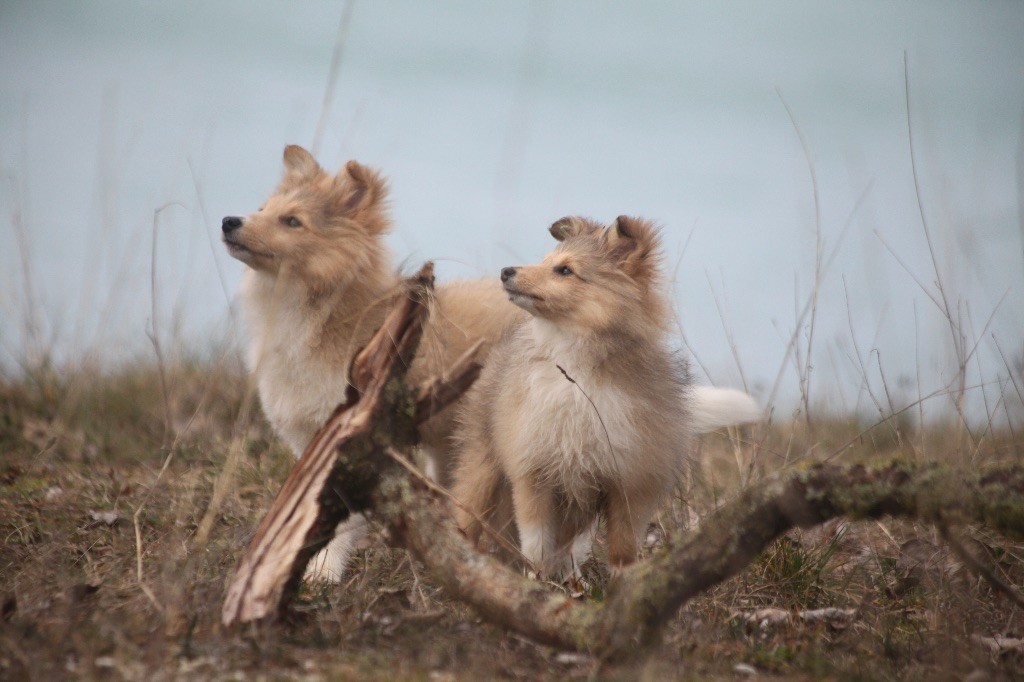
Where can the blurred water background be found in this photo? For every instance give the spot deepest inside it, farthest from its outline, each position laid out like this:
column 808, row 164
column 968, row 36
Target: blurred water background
column 126, row 126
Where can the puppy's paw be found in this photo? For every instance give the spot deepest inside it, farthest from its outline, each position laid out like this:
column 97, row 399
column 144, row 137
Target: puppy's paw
column 326, row 567
column 577, row 585
column 321, row 568
column 616, row 573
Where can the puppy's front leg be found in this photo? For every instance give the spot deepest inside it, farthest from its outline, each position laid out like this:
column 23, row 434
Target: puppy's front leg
column 582, row 546
column 330, row 563
column 534, row 507
column 627, row 513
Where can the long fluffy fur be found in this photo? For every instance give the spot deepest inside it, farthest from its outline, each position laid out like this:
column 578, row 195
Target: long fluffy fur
column 583, row 410
column 319, row 282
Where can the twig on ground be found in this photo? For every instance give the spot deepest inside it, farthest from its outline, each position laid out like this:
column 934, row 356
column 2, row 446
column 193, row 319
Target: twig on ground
column 980, row 568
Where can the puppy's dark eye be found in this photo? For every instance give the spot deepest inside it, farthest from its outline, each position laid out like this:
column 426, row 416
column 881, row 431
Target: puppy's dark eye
column 291, row 221
column 563, row 270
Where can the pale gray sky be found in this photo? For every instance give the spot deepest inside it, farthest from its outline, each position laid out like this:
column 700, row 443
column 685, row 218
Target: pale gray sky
column 493, row 119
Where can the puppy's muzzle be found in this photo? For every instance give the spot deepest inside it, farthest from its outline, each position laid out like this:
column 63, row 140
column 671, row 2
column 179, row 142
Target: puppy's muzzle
column 506, row 273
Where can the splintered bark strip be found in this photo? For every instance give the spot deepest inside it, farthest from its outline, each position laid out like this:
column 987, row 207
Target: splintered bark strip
column 444, row 390
column 309, row 506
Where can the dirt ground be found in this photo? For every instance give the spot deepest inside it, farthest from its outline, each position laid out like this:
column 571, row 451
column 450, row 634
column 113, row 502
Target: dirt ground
column 106, row 570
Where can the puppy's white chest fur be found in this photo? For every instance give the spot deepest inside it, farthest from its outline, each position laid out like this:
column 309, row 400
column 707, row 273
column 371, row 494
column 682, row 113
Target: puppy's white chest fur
column 297, row 389
column 575, row 427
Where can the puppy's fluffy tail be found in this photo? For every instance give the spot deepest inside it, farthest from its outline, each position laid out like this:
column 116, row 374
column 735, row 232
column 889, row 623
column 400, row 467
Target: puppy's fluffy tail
column 712, row 408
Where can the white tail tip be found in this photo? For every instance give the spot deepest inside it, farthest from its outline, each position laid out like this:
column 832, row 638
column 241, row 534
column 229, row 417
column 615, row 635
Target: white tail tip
column 712, row 408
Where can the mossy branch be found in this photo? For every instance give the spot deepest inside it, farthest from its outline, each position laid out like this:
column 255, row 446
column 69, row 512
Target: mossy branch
column 349, row 460
column 644, row 597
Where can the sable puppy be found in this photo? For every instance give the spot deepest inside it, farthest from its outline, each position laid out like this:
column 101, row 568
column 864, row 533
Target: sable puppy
column 319, row 282
column 582, row 410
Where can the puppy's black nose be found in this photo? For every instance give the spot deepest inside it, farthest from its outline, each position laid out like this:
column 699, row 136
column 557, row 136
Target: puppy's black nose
column 230, row 223
column 507, row 274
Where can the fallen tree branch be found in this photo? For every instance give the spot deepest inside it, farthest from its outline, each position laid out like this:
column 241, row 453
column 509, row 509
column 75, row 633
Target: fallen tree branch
column 349, row 461
column 643, row 597
column 313, row 499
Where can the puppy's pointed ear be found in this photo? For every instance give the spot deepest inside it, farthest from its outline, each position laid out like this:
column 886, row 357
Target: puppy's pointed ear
column 367, row 187
column 572, row 226
column 299, row 165
column 561, row 229
column 360, row 194
column 634, row 243
column 627, row 227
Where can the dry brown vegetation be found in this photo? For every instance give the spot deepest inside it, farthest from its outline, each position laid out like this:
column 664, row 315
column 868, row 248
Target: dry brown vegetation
column 84, row 594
